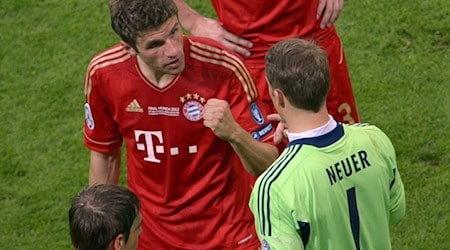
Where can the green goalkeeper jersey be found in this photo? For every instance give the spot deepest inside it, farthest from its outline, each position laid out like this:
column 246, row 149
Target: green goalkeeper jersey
column 340, row 190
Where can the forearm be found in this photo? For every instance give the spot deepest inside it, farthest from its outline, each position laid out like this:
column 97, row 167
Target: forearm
column 255, row 156
column 187, row 16
column 104, row 167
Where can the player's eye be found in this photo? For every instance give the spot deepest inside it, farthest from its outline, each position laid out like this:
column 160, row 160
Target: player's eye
column 155, row 44
column 174, row 30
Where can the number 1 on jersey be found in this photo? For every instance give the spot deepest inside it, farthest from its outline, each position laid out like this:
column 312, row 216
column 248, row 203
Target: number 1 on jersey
column 354, row 215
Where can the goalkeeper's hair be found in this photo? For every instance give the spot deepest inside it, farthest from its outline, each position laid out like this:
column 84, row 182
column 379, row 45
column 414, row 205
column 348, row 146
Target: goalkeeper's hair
column 299, row 68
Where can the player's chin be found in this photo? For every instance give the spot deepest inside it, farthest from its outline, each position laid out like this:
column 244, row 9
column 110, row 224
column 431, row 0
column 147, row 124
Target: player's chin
column 175, row 70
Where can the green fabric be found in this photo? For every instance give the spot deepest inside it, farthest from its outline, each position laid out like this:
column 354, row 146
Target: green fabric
column 314, row 181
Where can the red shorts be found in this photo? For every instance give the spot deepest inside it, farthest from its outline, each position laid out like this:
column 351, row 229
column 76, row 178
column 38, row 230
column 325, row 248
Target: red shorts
column 341, row 102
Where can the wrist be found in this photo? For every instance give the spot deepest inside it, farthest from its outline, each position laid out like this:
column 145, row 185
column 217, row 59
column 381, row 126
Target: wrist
column 190, row 21
column 238, row 135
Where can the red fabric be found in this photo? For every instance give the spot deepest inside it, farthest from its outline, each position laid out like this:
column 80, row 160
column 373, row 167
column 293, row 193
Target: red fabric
column 265, row 22
column 193, row 188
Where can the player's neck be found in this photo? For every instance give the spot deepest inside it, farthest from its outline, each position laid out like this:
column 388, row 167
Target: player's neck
column 158, row 79
column 299, row 121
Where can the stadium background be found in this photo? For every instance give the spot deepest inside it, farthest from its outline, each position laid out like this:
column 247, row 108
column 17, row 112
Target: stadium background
column 398, row 57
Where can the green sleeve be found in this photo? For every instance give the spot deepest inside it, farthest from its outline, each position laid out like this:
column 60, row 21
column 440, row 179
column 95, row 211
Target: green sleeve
column 284, row 233
column 397, row 198
column 397, row 205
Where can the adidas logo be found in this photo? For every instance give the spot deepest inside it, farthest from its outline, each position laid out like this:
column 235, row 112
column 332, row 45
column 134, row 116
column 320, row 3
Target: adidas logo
column 134, row 107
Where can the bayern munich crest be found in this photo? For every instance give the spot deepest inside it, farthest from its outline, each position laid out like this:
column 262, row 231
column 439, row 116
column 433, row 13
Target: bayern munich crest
column 193, row 106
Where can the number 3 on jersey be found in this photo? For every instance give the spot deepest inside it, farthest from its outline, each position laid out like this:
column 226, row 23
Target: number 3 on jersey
column 348, row 110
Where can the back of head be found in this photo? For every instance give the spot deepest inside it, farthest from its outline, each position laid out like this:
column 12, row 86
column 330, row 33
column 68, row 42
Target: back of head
column 299, row 68
column 130, row 18
column 99, row 213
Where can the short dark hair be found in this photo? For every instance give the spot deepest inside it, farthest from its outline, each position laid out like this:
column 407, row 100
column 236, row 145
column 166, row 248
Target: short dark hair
column 299, row 68
column 99, row 213
column 129, row 18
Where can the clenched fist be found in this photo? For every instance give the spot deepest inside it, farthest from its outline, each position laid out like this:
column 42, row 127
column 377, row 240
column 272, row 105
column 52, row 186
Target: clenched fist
column 218, row 117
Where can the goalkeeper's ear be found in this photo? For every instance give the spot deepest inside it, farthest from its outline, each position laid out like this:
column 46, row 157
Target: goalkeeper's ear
column 117, row 243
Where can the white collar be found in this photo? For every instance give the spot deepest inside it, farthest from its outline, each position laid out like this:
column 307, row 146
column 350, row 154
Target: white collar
column 331, row 124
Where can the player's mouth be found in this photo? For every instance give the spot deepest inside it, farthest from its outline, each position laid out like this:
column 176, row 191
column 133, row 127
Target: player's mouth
column 174, row 64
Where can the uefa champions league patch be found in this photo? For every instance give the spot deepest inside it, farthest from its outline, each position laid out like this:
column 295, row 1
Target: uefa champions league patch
column 256, row 113
column 88, row 116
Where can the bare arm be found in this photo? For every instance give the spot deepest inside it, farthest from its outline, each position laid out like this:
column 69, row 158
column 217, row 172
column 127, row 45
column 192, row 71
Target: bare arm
column 199, row 25
column 329, row 10
column 188, row 17
column 104, row 167
column 256, row 156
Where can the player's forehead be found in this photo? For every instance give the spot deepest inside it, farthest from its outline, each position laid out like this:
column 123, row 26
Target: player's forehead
column 160, row 33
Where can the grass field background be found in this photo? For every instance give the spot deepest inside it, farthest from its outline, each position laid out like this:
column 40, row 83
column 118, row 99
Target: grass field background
column 398, row 57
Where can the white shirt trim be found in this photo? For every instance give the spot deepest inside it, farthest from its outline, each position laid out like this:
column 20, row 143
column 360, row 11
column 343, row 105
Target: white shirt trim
column 331, row 124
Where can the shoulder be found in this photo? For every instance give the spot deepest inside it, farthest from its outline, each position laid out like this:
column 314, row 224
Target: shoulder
column 369, row 132
column 209, row 52
column 108, row 59
column 206, row 54
column 210, row 44
column 362, row 128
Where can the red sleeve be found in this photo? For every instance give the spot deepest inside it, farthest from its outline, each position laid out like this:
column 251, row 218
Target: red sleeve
column 101, row 132
column 249, row 110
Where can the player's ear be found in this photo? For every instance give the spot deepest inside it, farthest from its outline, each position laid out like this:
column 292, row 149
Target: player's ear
column 279, row 98
column 128, row 48
column 118, row 243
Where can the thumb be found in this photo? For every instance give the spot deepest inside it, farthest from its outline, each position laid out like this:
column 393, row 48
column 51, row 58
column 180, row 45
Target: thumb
column 274, row 117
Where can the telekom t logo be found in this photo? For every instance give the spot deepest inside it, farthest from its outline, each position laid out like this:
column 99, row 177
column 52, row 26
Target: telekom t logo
column 152, row 143
column 148, row 144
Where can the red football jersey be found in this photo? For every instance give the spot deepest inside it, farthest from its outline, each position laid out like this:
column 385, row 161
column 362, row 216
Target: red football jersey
column 265, row 22
column 193, row 188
